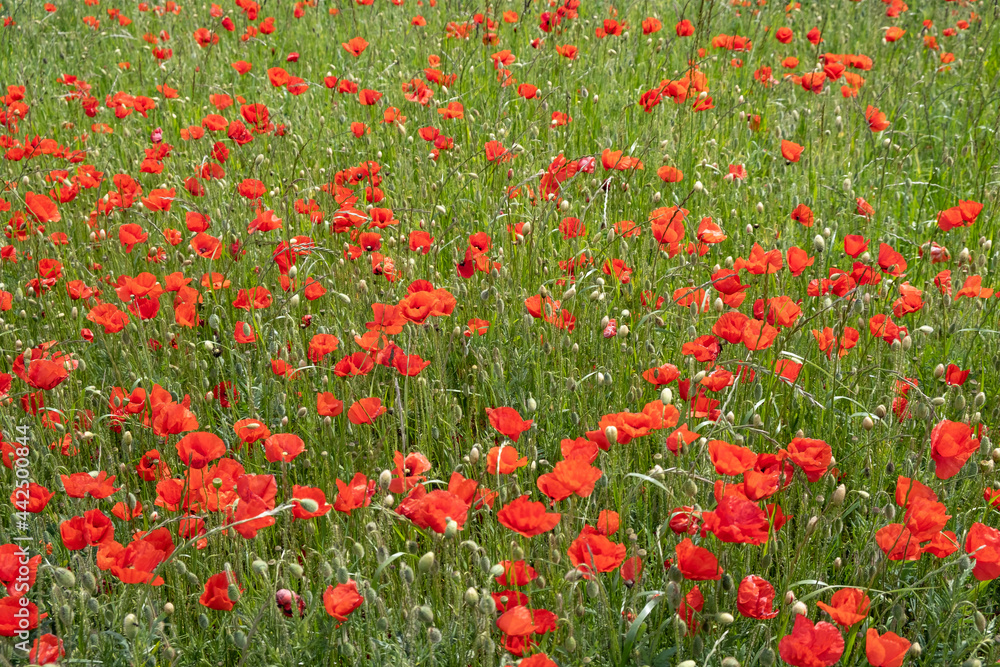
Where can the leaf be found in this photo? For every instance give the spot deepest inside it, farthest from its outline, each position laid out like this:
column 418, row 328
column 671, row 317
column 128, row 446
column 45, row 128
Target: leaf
column 633, row 629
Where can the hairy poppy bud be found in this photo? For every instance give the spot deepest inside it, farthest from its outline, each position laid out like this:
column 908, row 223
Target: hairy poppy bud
column 64, row 577
column 130, row 625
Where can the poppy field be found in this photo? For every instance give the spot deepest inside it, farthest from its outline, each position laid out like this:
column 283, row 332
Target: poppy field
column 551, row 334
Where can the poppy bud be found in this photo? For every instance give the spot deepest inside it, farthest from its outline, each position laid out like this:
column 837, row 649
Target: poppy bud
column 611, row 434
column 730, row 662
column 426, row 563
column 64, row 577
column 766, row 657
column 66, row 614
column 130, row 626
column 294, row 569
column 260, row 567
column 593, row 589
column 698, row 186
column 487, row 605
column 838, row 496
column 960, row 402
column 819, row 243
column 309, row 505
column 980, row 400
column 687, row 663
column 471, row 597
column 800, row 608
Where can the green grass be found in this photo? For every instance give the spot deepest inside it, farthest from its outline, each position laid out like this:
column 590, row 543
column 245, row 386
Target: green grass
column 939, row 149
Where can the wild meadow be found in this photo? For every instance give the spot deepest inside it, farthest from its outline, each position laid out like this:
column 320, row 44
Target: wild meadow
column 554, row 333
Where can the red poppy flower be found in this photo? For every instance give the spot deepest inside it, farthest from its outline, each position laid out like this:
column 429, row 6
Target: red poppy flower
column 216, row 593
column 508, row 422
column 200, row 448
column 697, row 563
column 527, row 518
column 887, row 650
column 283, row 447
column 593, row 552
column 952, row 445
column 573, row 476
column 365, row 411
column 755, row 598
column 341, row 600
column 847, row 606
column 504, row 460
column 791, row 150
column 300, row 493
column 811, row 645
